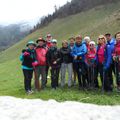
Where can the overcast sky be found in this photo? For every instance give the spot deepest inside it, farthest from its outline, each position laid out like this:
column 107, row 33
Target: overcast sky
column 12, row 11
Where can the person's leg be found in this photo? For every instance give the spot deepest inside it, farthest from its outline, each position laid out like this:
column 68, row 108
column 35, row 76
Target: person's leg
column 47, row 71
column 70, row 71
column 96, row 76
column 74, row 74
column 26, row 80
column 37, row 75
column 84, row 78
column 78, row 71
column 100, row 69
column 43, row 74
column 53, row 78
column 63, row 72
column 57, row 76
column 30, row 74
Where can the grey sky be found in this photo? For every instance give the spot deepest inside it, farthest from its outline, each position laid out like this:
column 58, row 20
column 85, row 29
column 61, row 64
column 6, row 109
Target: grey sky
column 12, row 11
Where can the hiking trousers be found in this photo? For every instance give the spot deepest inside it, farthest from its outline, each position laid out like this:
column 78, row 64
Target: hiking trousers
column 54, row 77
column 66, row 67
column 41, row 70
column 27, row 79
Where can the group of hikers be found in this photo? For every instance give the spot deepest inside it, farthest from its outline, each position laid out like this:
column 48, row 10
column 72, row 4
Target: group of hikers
column 80, row 57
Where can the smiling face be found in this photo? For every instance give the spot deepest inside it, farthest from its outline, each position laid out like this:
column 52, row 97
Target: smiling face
column 40, row 43
column 31, row 46
column 118, row 37
column 79, row 40
column 72, row 41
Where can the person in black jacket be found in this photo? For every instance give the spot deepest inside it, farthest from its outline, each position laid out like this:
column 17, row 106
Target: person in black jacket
column 66, row 63
column 28, row 58
column 54, row 61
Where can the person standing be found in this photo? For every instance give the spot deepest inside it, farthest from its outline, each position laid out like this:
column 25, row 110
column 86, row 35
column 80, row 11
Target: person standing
column 41, row 52
column 78, row 54
column 71, row 45
column 54, row 61
column 66, row 63
column 28, row 58
column 90, row 61
column 48, row 45
column 116, row 58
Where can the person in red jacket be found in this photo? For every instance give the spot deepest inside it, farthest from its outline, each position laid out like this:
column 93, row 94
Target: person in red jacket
column 49, row 41
column 48, row 45
column 41, row 52
column 90, row 62
column 116, row 58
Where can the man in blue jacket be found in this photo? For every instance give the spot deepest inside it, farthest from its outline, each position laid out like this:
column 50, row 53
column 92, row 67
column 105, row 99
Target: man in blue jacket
column 108, row 64
column 78, row 52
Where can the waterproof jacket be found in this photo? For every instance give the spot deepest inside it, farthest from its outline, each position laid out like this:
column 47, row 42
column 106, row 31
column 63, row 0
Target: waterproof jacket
column 90, row 57
column 117, row 49
column 100, row 54
column 79, row 51
column 48, row 44
column 28, row 60
column 66, row 55
column 104, row 55
column 41, row 52
column 53, row 55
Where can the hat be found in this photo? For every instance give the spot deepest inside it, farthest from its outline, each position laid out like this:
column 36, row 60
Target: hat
column 92, row 42
column 40, row 39
column 54, row 41
column 31, row 43
column 87, row 38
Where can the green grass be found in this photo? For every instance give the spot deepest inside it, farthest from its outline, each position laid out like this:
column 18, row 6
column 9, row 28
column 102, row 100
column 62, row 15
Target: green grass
column 94, row 22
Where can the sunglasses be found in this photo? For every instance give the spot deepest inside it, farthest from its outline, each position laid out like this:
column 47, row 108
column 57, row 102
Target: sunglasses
column 91, row 44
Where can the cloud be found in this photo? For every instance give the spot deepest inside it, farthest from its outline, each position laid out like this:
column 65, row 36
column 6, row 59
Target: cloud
column 18, row 10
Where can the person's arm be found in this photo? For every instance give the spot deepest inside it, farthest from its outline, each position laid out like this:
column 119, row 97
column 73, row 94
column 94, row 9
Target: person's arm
column 109, row 56
column 21, row 57
column 83, row 52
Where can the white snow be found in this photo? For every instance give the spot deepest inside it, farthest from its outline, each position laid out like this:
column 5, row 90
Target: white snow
column 23, row 109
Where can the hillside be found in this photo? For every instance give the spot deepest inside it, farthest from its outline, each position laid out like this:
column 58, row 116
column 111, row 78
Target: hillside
column 11, row 34
column 96, row 21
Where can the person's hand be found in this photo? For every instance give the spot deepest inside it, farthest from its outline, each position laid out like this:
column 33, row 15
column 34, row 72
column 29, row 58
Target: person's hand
column 26, row 54
column 54, row 62
column 75, row 57
column 34, row 64
column 114, row 58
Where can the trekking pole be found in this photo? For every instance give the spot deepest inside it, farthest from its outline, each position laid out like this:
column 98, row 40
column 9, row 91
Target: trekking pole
column 37, row 83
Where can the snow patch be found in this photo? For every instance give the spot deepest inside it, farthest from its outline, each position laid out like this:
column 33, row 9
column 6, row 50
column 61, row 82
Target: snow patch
column 24, row 109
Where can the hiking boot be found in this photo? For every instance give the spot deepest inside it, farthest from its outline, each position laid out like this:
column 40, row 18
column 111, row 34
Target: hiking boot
column 29, row 92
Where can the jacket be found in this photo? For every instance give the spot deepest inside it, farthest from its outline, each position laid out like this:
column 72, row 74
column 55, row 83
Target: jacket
column 28, row 60
column 41, row 52
column 66, row 55
column 79, row 51
column 53, row 55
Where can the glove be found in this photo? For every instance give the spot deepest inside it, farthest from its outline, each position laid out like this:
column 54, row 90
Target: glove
column 34, row 64
column 26, row 54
